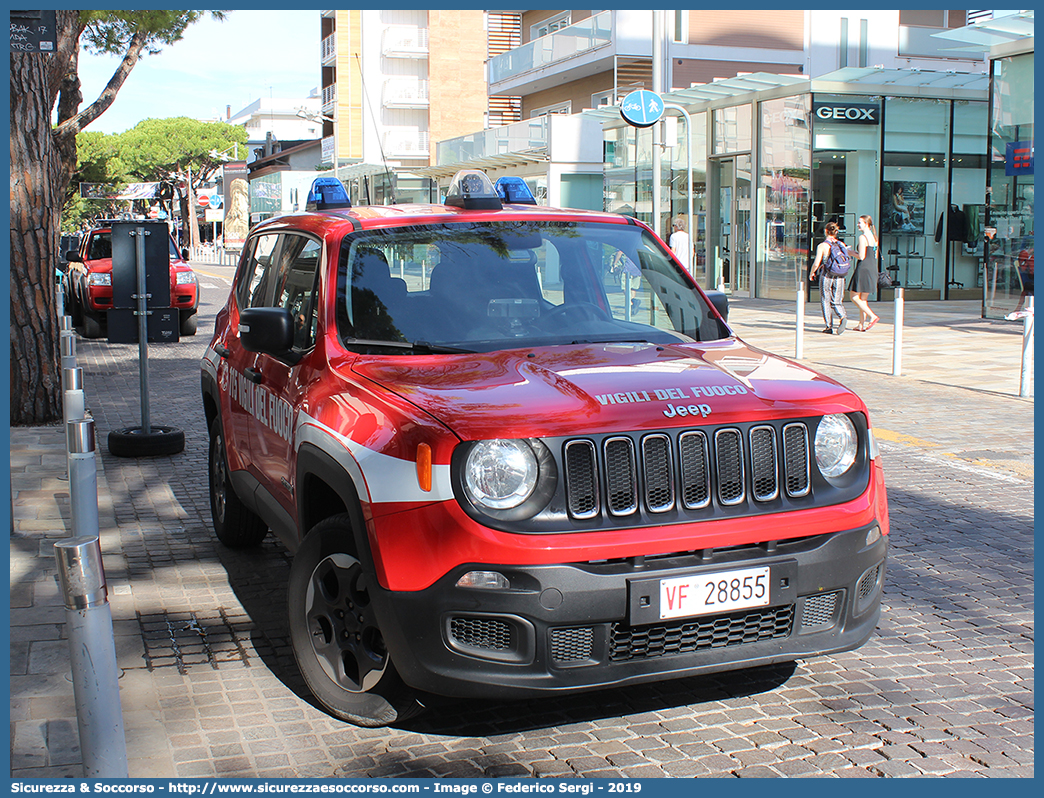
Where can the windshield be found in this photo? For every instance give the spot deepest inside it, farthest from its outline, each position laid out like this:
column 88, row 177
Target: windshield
column 498, row 285
column 101, row 247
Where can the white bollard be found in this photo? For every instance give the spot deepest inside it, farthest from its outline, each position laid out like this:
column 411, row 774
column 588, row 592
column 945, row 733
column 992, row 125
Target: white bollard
column 92, row 651
column 1026, row 374
column 799, row 335
column 897, row 335
column 83, row 476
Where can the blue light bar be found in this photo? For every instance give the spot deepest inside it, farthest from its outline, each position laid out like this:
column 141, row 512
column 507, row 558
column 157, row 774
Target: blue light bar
column 327, row 193
column 514, row 190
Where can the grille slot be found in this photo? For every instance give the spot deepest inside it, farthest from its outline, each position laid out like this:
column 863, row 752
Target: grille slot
column 795, row 459
column 658, row 472
column 621, row 484
column 763, row 471
column 483, row 633
column 695, row 472
column 736, row 467
column 573, row 644
column 696, row 634
column 728, row 461
column 819, row 609
column 581, row 475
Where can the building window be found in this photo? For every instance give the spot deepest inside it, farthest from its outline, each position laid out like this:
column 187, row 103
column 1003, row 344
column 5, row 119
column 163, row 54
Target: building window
column 551, row 25
column 603, row 99
column 681, row 27
column 558, row 108
column 923, row 18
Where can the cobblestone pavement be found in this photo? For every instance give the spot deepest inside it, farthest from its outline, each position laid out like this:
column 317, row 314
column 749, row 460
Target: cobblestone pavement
column 209, row 686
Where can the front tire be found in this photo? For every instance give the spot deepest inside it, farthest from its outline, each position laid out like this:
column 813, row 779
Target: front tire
column 235, row 524
column 188, row 323
column 92, row 325
column 333, row 628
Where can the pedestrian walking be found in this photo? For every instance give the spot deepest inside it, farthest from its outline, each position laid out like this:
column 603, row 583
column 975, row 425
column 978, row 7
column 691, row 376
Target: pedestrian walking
column 680, row 242
column 832, row 256
column 867, row 272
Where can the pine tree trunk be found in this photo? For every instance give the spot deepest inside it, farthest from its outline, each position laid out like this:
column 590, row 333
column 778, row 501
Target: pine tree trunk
column 37, row 190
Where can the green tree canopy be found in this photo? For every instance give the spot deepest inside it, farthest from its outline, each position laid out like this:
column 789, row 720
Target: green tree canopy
column 155, row 148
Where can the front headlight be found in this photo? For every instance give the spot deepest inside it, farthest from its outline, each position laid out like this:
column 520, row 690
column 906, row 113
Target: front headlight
column 185, row 278
column 500, row 474
column 836, row 445
column 99, row 278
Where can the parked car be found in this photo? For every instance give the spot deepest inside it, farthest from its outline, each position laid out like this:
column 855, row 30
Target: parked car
column 88, row 284
column 516, row 451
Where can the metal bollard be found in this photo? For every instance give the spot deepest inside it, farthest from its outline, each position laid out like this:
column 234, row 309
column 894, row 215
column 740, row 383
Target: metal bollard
column 799, row 339
column 92, row 650
column 1026, row 374
column 74, row 402
column 83, row 476
column 67, row 349
column 897, row 334
column 65, row 323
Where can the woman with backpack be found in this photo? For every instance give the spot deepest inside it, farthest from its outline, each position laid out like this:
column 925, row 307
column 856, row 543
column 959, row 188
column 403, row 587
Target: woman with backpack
column 866, row 276
column 832, row 255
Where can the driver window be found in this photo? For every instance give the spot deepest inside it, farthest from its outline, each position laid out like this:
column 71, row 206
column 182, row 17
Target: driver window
column 298, row 263
column 257, row 278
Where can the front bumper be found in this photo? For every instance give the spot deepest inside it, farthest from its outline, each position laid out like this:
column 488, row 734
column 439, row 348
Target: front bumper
column 562, row 628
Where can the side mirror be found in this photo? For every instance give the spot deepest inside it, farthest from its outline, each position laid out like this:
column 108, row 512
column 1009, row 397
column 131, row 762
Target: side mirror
column 72, row 256
column 267, row 330
column 720, row 300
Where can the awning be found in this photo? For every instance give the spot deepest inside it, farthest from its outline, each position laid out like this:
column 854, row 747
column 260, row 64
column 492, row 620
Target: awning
column 980, row 36
column 509, row 160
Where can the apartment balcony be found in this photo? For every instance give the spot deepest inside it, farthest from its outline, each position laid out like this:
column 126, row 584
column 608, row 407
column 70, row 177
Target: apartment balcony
column 329, row 100
column 406, row 144
column 405, row 93
column 329, row 50
column 917, row 42
column 580, row 50
column 529, row 135
column 405, row 41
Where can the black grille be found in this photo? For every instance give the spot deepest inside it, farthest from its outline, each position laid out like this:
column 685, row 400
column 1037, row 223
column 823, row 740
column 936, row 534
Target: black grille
column 659, row 473
column 621, row 483
column 734, row 629
column 695, row 472
column 572, row 645
column 728, row 464
column 868, row 583
column 484, row 633
column 581, row 479
column 795, row 459
column 763, row 472
column 819, row 609
column 728, row 448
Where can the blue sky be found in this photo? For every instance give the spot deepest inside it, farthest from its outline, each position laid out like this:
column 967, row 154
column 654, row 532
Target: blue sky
column 251, row 54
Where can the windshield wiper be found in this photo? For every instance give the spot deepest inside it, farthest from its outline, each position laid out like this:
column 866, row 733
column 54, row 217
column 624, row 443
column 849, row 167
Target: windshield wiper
column 609, row 341
column 425, row 347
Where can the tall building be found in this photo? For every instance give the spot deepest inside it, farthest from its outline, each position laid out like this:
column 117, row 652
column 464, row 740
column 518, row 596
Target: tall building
column 393, row 82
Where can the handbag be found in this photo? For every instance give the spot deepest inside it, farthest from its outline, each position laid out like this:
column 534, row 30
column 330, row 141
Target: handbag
column 883, row 280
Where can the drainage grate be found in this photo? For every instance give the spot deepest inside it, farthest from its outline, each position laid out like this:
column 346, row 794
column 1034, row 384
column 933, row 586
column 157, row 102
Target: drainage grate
column 184, row 639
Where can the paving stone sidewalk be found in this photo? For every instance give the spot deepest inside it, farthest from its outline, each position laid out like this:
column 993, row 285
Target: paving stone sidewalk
column 209, row 687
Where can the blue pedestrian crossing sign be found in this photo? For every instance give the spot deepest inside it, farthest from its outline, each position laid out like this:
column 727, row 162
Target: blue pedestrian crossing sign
column 642, row 108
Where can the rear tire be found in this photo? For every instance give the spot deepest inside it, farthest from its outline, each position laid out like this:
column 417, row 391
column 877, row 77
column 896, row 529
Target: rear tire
column 235, row 525
column 188, row 324
column 333, row 628
column 133, row 442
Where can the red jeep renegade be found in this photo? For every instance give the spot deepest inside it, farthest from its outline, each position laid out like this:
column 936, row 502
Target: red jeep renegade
column 516, row 451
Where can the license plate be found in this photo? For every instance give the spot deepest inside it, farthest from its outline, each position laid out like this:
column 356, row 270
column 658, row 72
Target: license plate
column 704, row 594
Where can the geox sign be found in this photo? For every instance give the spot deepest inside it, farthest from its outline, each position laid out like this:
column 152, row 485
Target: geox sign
column 847, row 113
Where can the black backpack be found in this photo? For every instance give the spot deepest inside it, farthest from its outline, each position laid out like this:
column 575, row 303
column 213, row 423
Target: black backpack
column 838, row 261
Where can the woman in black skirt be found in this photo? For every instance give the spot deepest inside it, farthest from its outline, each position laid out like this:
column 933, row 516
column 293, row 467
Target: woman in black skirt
column 864, row 280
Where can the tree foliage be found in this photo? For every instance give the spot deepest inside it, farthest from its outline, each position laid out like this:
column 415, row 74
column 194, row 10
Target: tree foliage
column 155, row 148
column 43, row 161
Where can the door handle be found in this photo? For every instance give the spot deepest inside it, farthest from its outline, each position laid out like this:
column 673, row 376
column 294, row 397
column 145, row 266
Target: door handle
column 253, row 375
column 221, row 350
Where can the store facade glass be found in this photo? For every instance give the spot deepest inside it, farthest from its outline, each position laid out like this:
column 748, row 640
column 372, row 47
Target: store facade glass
column 784, row 192
column 1009, row 266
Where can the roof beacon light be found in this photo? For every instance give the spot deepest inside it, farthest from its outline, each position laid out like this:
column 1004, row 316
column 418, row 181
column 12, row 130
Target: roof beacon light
column 327, row 193
column 472, row 190
column 515, row 191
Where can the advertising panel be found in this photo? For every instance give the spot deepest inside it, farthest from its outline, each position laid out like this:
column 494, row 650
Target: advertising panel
column 236, row 203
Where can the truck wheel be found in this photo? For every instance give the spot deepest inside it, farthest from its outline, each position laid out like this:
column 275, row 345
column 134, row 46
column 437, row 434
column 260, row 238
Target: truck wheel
column 133, row 442
column 92, row 326
column 333, row 628
column 188, row 324
column 235, row 525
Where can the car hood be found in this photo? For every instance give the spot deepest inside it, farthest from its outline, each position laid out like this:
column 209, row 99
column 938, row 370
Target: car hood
column 606, row 388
